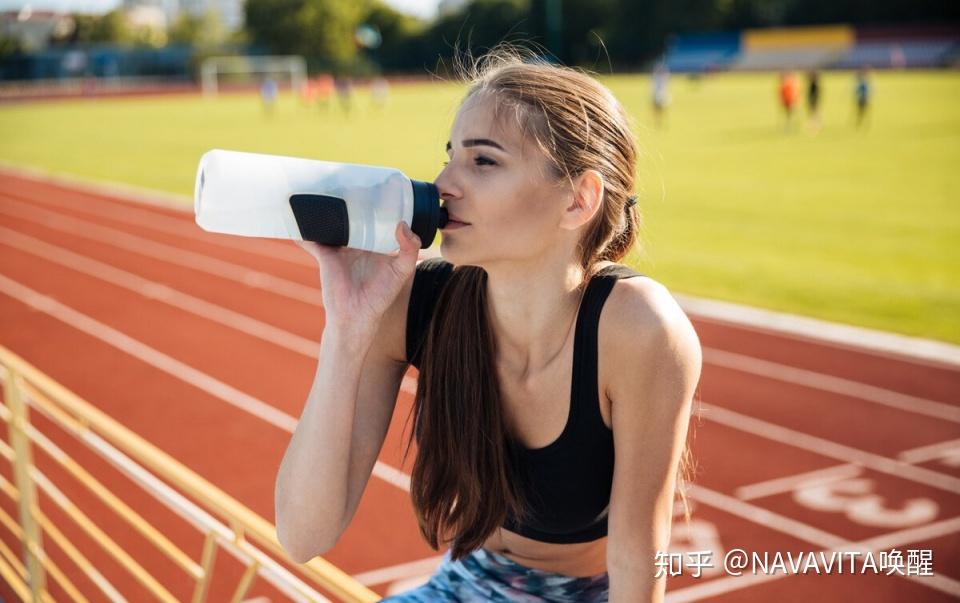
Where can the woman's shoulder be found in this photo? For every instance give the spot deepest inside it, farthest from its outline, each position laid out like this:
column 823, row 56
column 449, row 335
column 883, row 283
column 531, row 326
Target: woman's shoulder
column 641, row 310
column 644, row 334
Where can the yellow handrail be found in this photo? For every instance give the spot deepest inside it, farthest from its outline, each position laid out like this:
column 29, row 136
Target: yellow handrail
column 225, row 521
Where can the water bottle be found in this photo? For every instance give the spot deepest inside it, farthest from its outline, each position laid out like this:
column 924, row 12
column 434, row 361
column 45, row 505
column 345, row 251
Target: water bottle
column 341, row 204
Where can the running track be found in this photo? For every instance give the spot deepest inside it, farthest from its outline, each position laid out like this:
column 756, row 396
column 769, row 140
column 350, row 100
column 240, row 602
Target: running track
column 205, row 345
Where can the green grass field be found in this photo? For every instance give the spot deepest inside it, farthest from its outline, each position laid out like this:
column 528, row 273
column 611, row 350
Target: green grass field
column 860, row 227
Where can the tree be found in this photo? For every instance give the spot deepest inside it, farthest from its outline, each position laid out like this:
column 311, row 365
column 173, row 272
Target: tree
column 320, row 30
column 203, row 31
column 9, row 46
column 111, row 28
column 398, row 32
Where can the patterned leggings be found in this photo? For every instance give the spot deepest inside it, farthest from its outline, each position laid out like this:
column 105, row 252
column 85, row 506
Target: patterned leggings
column 484, row 576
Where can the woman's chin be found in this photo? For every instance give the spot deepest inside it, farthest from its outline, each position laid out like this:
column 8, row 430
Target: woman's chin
column 454, row 253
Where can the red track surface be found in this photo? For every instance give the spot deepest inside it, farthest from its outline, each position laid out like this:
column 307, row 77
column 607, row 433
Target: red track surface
column 129, row 343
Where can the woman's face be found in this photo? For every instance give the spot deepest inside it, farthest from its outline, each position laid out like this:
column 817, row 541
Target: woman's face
column 503, row 199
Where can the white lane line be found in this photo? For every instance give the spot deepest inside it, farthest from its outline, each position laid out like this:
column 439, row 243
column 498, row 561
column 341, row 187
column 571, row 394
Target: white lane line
column 829, row 383
column 931, row 452
column 824, row 447
column 930, row 531
column 859, row 339
column 764, row 517
column 400, row 571
column 147, row 354
column 846, row 470
column 165, row 253
column 152, row 220
column 791, row 482
column 129, row 192
column 160, row 292
column 173, row 367
column 154, row 290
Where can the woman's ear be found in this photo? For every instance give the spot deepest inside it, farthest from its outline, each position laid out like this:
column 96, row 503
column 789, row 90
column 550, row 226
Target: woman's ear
column 586, row 200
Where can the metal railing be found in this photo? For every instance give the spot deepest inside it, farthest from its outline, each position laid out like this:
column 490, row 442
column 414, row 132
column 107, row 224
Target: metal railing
column 222, row 520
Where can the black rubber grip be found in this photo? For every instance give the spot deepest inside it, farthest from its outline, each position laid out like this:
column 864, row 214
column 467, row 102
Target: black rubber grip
column 321, row 218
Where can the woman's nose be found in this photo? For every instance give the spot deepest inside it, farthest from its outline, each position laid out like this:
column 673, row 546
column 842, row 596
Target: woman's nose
column 446, row 186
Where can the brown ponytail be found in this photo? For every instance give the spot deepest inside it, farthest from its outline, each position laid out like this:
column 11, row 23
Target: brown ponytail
column 464, row 475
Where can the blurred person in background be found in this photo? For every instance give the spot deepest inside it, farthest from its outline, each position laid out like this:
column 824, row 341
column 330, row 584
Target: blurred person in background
column 324, row 87
column 344, row 87
column 789, row 92
column 380, row 91
column 661, row 93
column 813, row 100
column 268, row 94
column 862, row 91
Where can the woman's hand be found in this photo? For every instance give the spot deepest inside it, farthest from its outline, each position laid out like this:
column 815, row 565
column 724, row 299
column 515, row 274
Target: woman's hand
column 358, row 286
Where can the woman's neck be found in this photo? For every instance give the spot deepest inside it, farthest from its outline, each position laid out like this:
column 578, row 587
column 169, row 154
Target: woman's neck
column 533, row 307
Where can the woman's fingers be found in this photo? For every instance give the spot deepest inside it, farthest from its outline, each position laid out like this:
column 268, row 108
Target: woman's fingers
column 409, row 242
column 407, row 238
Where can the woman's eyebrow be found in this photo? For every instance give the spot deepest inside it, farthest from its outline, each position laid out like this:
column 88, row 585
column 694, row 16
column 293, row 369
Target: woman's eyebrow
column 474, row 142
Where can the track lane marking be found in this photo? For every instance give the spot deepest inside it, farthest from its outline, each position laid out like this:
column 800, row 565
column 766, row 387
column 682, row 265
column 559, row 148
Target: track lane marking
column 165, row 253
column 790, row 482
column 181, row 227
column 829, row 383
column 401, row 571
column 829, row 448
column 931, row 452
column 780, row 485
column 160, row 292
column 861, row 340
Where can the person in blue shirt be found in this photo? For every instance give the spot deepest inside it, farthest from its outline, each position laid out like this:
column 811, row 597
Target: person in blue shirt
column 862, row 93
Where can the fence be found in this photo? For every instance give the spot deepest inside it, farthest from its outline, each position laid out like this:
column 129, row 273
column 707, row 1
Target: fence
column 222, row 521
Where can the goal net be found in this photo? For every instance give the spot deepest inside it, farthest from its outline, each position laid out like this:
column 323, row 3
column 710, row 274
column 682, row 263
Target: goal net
column 219, row 72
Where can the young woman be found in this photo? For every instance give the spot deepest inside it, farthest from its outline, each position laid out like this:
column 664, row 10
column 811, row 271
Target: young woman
column 541, row 361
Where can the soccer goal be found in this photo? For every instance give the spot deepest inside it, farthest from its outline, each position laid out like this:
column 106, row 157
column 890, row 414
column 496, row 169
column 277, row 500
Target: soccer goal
column 217, row 71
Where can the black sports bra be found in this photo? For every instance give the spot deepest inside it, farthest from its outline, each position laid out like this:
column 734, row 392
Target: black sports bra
column 567, row 482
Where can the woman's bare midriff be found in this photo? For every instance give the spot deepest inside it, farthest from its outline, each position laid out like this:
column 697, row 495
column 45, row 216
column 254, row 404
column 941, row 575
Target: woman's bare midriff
column 579, row 559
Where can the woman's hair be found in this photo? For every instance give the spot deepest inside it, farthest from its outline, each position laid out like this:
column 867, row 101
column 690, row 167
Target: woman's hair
column 465, row 476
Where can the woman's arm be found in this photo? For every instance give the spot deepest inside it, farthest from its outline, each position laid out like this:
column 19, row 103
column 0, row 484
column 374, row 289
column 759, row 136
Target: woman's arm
column 348, row 410
column 332, row 452
column 655, row 362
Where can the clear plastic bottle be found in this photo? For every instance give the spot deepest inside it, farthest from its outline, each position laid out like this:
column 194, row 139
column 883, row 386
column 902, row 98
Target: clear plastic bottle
column 344, row 204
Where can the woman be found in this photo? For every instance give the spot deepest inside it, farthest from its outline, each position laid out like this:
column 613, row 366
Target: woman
column 526, row 390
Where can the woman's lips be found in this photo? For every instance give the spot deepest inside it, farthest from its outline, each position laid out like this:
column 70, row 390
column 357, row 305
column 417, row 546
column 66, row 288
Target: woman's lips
column 453, row 222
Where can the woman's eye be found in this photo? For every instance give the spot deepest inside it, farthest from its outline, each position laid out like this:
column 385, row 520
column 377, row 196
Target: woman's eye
column 481, row 160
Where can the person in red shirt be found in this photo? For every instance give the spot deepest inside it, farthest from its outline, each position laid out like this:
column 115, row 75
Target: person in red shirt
column 789, row 93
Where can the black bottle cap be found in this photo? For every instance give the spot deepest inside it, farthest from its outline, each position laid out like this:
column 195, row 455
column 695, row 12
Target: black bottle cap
column 428, row 216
